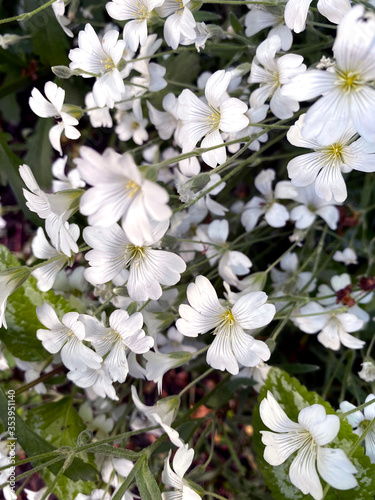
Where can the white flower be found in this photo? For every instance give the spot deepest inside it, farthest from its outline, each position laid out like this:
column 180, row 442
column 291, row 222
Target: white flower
column 58, row 8
column 158, row 364
column 123, row 335
column 67, row 336
column 47, row 274
column 360, row 420
column 175, row 477
column 54, row 208
column 333, row 326
column 202, row 34
column 231, row 344
column 314, row 430
column 132, row 126
column 180, row 22
column 325, row 165
column 290, row 279
column 152, row 74
column 275, row 214
column 346, row 87
column 232, row 263
column 137, row 12
column 149, row 268
column 347, row 256
column 311, row 205
column 97, row 381
column 273, row 73
column 163, row 414
column 166, row 121
column 71, row 180
column 99, row 117
column 200, row 119
column 54, row 107
column 261, row 17
column 100, row 58
column 8, row 492
column 256, row 114
column 368, row 371
column 119, row 191
column 296, row 12
column 10, row 280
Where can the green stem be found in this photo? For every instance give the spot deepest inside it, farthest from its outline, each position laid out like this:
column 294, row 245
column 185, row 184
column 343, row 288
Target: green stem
column 358, row 408
column 40, row 379
column 27, row 15
column 195, row 381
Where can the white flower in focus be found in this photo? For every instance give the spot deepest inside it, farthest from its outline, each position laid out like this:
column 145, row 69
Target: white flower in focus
column 206, row 119
column 275, row 214
column 137, row 13
column 151, row 74
column 101, row 58
column 119, row 191
column 346, row 88
column 202, row 34
column 149, row 268
column 166, row 121
column 314, row 430
column 273, row 73
column 175, row 477
column 180, row 22
column 47, row 274
column 114, row 343
column 55, row 208
column 67, row 336
column 360, row 420
column 231, row 344
column 54, row 107
column 325, row 165
column 333, row 327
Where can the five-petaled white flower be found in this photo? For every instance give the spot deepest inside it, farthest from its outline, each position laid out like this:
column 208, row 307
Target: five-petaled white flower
column 314, row 430
column 231, row 344
column 66, row 335
column 201, row 118
column 54, row 107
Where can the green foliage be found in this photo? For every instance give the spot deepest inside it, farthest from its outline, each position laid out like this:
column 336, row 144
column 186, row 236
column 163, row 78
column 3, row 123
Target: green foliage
column 58, row 422
column 33, row 444
column 293, row 397
column 20, row 336
column 39, row 153
column 65, row 488
column 48, row 39
column 147, row 485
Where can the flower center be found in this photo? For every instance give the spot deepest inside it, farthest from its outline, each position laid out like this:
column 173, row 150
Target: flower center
column 112, row 336
column 214, row 118
column 109, row 65
column 135, row 254
column 349, row 81
column 334, row 154
column 225, row 323
column 142, row 13
column 180, row 7
column 132, row 186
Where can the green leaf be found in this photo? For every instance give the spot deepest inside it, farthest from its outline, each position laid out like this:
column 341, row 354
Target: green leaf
column 20, row 336
column 203, row 16
column 227, row 392
column 39, row 155
column 58, row 422
column 33, row 444
column 65, row 488
column 293, row 397
column 298, row 367
column 147, row 485
column 49, row 40
column 236, row 25
column 112, row 451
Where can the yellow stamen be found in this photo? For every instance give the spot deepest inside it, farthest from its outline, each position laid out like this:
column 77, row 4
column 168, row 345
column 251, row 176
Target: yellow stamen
column 133, row 187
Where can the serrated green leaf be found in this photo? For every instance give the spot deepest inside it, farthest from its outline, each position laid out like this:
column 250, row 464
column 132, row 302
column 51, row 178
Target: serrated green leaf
column 147, row 485
column 57, row 422
column 20, row 336
column 293, row 397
